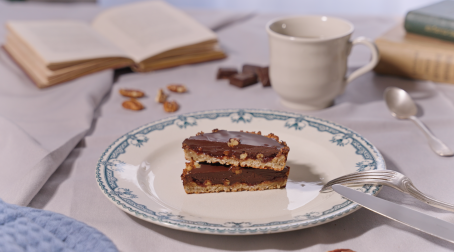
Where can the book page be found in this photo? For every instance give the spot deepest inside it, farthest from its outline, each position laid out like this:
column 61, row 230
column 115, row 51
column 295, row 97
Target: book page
column 148, row 28
column 57, row 41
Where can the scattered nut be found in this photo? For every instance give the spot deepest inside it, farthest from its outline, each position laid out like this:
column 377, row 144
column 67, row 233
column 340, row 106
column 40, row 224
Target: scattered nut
column 243, row 156
column 259, row 156
column 189, row 167
column 238, row 171
column 207, row 183
column 177, row 88
column 132, row 104
column 161, row 97
column 233, row 142
column 197, row 165
column 171, row 106
column 200, row 133
column 131, row 93
column 226, row 153
column 226, row 182
column 215, row 130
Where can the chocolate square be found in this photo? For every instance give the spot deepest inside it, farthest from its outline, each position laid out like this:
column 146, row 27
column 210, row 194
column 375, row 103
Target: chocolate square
column 261, row 72
column 250, row 69
column 226, row 72
column 243, row 79
column 264, row 78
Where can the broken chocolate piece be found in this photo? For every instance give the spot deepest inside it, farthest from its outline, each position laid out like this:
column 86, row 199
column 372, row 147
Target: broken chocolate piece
column 247, row 150
column 209, row 178
column 261, row 72
column 264, row 78
column 243, row 79
column 250, row 68
column 226, row 72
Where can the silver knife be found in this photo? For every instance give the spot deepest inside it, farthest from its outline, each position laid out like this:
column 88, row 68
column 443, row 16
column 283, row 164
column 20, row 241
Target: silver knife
column 409, row 217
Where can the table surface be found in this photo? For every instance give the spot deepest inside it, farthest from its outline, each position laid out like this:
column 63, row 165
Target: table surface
column 63, row 131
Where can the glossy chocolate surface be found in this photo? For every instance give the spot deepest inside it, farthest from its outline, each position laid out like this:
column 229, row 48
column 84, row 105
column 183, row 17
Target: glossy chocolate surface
column 218, row 174
column 215, row 144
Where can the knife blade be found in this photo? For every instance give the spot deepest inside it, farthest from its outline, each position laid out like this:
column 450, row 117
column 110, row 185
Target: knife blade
column 404, row 215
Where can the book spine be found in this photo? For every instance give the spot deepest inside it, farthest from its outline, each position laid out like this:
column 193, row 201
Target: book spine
column 431, row 26
column 416, row 62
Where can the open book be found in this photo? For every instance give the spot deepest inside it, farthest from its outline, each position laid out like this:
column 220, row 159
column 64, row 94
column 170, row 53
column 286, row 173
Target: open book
column 146, row 36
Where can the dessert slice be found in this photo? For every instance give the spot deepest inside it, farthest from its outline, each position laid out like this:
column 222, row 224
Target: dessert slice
column 210, row 178
column 237, row 148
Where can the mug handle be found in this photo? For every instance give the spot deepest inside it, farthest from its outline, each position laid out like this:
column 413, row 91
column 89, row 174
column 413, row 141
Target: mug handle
column 369, row 66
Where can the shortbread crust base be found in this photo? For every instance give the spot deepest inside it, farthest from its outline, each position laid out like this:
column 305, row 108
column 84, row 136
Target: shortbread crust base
column 193, row 187
column 278, row 163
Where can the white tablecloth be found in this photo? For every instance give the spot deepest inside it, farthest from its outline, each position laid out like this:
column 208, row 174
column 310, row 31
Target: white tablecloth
column 72, row 190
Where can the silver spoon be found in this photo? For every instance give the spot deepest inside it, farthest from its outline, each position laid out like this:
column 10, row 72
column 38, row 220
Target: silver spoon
column 402, row 107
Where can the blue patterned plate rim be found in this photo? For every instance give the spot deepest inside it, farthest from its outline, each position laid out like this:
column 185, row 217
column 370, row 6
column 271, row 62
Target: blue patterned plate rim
column 107, row 182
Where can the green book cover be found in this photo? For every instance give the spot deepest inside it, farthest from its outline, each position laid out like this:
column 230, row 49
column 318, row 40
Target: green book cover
column 436, row 20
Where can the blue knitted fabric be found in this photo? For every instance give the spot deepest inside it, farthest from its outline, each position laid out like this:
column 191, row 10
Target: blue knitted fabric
column 24, row 229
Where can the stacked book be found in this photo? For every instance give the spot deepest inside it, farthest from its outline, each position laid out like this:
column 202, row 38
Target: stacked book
column 422, row 48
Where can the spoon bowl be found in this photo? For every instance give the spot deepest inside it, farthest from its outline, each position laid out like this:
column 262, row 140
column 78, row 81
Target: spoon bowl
column 400, row 103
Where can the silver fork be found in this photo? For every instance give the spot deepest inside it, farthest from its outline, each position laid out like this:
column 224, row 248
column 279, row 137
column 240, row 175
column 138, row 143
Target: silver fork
column 389, row 178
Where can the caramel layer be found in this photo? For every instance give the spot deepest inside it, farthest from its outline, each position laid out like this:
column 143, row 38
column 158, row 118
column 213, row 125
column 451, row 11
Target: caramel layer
column 229, row 175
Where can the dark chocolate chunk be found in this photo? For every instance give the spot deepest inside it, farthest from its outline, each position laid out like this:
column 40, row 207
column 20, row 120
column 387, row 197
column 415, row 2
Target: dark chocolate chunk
column 261, row 72
column 218, row 174
column 243, row 79
column 226, row 72
column 264, row 78
column 217, row 143
column 250, row 69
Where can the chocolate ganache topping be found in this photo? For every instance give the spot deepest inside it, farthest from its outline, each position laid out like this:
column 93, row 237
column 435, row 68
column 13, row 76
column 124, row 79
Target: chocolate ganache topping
column 217, row 143
column 217, row 174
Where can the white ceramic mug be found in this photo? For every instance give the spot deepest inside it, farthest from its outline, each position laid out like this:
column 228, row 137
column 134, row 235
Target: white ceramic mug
column 308, row 59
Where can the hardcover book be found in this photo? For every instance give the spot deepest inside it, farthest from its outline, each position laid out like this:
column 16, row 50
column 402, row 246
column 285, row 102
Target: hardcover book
column 415, row 56
column 436, row 20
column 146, row 36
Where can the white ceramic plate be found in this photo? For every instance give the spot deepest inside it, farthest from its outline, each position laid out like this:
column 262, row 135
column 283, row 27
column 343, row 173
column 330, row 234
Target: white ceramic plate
column 140, row 174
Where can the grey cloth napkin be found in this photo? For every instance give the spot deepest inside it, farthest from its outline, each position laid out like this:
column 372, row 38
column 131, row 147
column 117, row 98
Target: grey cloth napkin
column 72, row 190
column 39, row 128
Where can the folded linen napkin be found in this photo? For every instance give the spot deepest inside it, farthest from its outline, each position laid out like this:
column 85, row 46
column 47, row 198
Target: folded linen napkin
column 38, row 128
column 27, row 229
